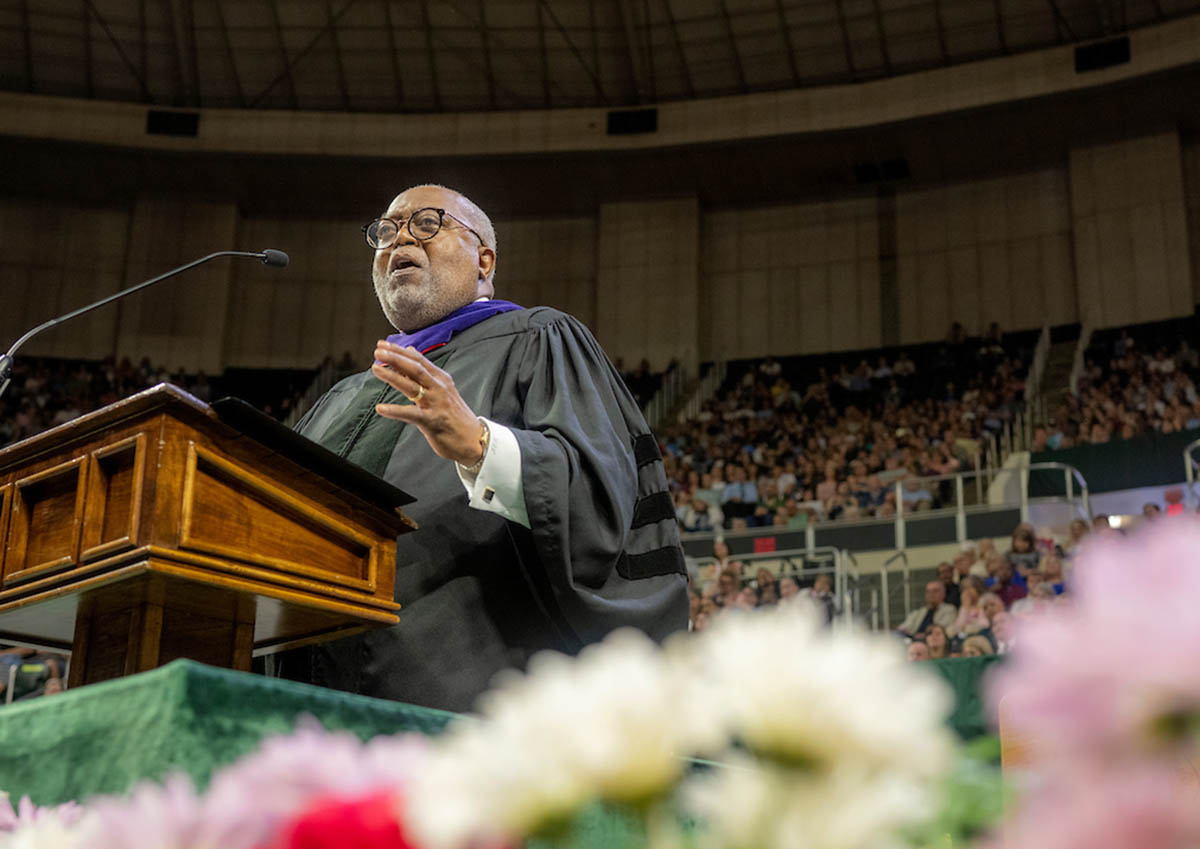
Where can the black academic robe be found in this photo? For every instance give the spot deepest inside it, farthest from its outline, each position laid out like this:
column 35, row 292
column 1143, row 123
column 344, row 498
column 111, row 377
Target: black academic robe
column 480, row 593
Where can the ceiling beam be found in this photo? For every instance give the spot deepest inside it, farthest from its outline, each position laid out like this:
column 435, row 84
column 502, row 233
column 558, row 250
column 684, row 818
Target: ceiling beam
column 193, row 53
column 545, row 60
column 786, row 31
column 433, row 74
column 941, row 31
column 184, row 83
column 337, row 57
column 636, row 63
column 290, row 64
column 1000, row 28
column 846, row 45
column 141, row 81
column 237, row 80
column 733, row 49
column 520, row 55
column 883, row 47
column 688, row 86
column 27, row 37
column 89, row 83
column 490, row 74
column 593, row 73
column 286, row 74
column 144, row 44
column 648, row 42
column 1061, row 25
column 397, row 74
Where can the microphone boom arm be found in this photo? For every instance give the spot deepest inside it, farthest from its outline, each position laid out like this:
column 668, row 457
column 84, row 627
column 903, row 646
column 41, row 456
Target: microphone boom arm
column 6, row 360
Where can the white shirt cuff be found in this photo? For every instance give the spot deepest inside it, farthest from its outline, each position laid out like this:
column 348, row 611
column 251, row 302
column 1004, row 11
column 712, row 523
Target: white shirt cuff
column 498, row 487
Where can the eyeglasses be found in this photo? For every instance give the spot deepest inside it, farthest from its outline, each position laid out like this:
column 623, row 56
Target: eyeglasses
column 423, row 224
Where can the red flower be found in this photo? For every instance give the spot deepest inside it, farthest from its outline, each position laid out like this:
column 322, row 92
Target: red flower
column 365, row 822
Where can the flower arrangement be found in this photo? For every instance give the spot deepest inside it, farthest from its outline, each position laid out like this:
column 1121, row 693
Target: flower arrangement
column 843, row 746
column 805, row 760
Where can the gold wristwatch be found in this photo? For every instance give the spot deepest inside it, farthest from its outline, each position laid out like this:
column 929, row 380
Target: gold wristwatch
column 485, row 439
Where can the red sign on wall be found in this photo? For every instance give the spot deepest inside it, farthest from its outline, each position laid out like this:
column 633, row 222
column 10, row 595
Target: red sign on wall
column 764, row 544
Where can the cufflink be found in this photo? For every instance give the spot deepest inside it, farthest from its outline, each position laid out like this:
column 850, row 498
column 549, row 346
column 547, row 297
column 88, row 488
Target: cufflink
column 488, row 494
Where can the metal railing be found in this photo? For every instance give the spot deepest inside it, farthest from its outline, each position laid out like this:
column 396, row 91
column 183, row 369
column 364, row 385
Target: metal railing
column 1072, row 479
column 1191, row 473
column 950, row 492
column 703, row 390
column 326, row 376
column 885, row 586
column 1080, row 360
column 674, row 383
column 1037, row 368
column 839, row 564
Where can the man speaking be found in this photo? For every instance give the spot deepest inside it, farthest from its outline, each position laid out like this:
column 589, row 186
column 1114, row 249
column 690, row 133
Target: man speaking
column 545, row 520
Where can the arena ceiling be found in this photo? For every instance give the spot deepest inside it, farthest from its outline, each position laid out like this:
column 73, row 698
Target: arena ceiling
column 463, row 55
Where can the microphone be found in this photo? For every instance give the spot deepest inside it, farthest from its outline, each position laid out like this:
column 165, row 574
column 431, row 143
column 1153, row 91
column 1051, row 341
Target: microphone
column 275, row 259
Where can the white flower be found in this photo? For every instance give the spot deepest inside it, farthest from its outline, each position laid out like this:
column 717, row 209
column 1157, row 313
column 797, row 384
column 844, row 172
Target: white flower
column 50, row 831
column 608, row 725
column 748, row 804
column 792, row 690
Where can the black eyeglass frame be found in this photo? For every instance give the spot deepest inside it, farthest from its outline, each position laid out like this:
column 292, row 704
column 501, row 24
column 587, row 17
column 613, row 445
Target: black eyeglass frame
column 442, row 216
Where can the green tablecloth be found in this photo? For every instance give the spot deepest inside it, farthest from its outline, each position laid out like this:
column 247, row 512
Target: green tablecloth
column 185, row 716
column 965, row 676
column 195, row 718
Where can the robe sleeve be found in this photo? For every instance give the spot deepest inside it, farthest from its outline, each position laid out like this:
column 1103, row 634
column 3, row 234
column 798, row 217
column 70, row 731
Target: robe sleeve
column 602, row 522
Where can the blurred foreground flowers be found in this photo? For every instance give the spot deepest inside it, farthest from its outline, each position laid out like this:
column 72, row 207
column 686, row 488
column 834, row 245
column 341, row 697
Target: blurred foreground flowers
column 842, row 746
column 1106, row 695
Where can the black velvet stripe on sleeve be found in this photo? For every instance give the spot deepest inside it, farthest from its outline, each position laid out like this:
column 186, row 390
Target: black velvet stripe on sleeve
column 667, row 560
column 653, row 508
column 645, row 449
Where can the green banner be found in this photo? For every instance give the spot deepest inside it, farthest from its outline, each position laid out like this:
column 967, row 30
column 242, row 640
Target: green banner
column 1154, row 459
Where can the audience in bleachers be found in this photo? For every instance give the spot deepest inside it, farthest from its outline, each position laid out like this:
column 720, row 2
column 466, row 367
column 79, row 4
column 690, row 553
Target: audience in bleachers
column 46, row 392
column 991, row 590
column 827, row 439
column 1142, row 381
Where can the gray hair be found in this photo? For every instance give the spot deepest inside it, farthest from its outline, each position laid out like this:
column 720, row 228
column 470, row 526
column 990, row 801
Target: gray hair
column 483, row 224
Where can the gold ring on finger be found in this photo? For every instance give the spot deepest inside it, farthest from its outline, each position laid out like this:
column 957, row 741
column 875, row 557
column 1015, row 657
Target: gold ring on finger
column 420, row 393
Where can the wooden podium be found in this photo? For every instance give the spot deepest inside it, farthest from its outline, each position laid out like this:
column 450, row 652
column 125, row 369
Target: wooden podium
column 160, row 527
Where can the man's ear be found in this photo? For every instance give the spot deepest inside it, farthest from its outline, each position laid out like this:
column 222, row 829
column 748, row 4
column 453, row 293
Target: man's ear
column 486, row 266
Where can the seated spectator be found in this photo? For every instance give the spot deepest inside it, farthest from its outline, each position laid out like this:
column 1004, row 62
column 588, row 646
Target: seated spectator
column 917, row 651
column 747, row 599
column 984, row 552
column 789, row 588
column 971, row 618
column 740, row 496
column 768, row 587
column 1002, row 632
column 1151, row 511
column 945, row 573
column 1041, row 597
column 935, row 611
column 821, row 594
column 1023, row 554
column 977, row 646
column 698, row 516
column 935, row 638
column 990, row 604
column 1052, row 574
column 916, row 496
column 729, row 584
column 1076, row 534
column 1004, row 585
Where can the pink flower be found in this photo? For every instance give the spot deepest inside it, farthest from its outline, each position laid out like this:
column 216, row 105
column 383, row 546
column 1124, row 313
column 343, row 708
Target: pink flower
column 248, row 802
column 1134, row 808
column 1104, row 674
